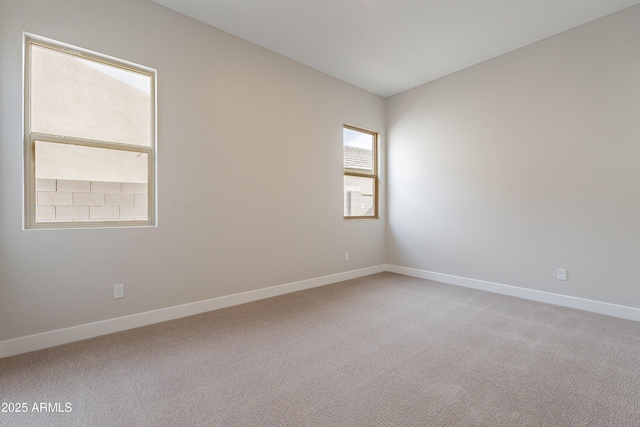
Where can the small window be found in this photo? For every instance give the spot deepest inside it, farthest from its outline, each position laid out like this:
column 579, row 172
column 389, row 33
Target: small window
column 360, row 173
column 89, row 139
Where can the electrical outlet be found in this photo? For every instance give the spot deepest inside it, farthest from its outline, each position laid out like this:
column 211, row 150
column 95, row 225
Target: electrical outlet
column 346, row 256
column 118, row 291
column 561, row 274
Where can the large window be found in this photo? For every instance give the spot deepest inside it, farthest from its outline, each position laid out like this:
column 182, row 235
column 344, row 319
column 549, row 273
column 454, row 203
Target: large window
column 360, row 173
column 89, row 138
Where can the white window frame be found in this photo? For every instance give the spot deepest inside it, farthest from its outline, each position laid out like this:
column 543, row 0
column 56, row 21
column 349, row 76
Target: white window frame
column 30, row 139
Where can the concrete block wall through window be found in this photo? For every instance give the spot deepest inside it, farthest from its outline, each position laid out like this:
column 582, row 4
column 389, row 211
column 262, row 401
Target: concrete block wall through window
column 79, row 201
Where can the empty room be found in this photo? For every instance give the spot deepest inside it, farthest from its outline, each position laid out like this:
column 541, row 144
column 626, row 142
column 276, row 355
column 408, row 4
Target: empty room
column 319, row 213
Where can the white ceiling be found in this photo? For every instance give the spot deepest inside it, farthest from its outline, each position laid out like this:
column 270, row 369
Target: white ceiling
column 388, row 46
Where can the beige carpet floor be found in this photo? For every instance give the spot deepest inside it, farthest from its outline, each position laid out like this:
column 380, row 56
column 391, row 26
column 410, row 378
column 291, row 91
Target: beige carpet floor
column 383, row 350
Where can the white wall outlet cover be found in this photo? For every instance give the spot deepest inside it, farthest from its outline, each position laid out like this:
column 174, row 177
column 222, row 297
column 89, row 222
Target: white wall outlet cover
column 561, row 274
column 118, row 291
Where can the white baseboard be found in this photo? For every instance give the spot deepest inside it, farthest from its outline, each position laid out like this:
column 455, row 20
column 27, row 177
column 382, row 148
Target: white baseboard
column 621, row 311
column 76, row 333
column 34, row 342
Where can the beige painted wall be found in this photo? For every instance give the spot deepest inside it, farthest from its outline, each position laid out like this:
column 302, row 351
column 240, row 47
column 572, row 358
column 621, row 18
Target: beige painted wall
column 528, row 162
column 249, row 173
